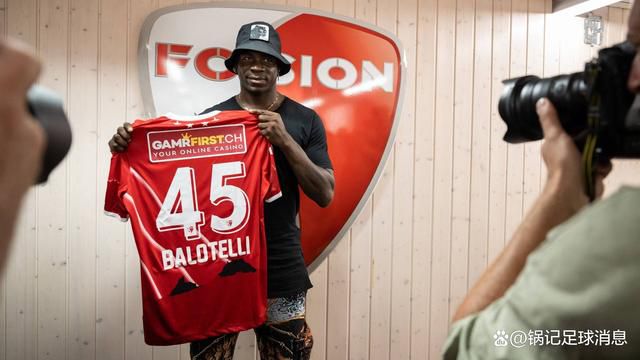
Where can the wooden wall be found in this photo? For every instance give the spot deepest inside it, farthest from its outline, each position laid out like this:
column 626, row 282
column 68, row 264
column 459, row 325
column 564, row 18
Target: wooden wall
column 450, row 196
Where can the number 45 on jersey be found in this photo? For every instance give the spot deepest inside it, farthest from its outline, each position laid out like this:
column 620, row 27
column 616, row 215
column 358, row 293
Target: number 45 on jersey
column 180, row 206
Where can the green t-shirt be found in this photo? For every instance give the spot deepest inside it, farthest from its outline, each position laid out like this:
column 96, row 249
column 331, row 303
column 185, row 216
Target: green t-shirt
column 578, row 296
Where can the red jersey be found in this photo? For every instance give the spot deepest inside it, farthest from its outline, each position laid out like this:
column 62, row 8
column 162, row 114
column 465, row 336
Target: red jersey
column 194, row 188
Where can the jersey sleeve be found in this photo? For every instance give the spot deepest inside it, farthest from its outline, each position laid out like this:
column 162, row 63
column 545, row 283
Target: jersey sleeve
column 274, row 191
column 316, row 148
column 116, row 187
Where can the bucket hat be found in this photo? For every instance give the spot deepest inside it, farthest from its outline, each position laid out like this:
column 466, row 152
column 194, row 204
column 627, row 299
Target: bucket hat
column 261, row 37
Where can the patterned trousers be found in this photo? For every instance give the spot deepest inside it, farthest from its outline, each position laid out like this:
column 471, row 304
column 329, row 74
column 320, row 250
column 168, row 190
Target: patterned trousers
column 275, row 342
column 285, row 335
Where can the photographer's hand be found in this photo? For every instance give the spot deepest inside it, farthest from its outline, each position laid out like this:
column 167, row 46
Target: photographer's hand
column 565, row 173
column 563, row 161
column 562, row 197
column 22, row 139
column 120, row 140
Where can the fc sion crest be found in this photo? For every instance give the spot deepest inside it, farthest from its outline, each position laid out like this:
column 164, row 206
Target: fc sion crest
column 349, row 72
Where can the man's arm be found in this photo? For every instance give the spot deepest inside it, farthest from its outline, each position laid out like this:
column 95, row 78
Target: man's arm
column 562, row 197
column 316, row 182
column 23, row 139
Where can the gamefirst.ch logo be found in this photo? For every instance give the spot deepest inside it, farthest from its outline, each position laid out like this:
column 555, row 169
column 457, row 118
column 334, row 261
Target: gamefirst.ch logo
column 171, row 145
column 351, row 73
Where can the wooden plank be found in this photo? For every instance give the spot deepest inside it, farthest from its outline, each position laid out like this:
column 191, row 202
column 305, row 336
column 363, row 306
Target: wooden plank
column 515, row 152
column 338, row 300
column 135, row 348
column 166, row 352
column 463, row 125
column 535, row 65
column 317, row 310
column 300, row 3
column 276, row 2
column 3, row 303
column 361, row 237
column 21, row 271
column 52, row 206
column 498, row 148
column 365, row 10
column 387, row 15
column 403, row 197
column 442, row 172
column 572, row 48
column 360, row 286
column 3, row 20
column 14, row 283
column 166, row 3
column 246, row 347
column 82, row 109
column 386, row 18
column 3, row 310
column 110, row 234
column 199, row 1
column 344, row 8
column 338, row 261
column 425, row 74
column 184, row 352
column 481, row 140
column 324, row 5
column 20, row 280
column 381, row 265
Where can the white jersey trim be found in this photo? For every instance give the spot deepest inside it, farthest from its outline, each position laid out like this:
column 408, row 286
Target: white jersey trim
column 173, row 116
column 112, row 214
column 274, row 197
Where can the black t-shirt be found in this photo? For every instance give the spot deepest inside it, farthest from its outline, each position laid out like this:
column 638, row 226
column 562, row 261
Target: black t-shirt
column 286, row 273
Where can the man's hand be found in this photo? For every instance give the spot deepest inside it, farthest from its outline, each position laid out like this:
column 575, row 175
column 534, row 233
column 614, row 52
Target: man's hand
column 120, row 140
column 22, row 139
column 271, row 126
column 565, row 174
column 316, row 182
column 562, row 158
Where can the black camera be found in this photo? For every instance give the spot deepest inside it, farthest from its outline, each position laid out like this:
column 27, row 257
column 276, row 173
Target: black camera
column 594, row 106
column 47, row 108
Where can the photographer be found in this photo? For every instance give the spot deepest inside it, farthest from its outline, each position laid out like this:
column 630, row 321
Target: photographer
column 571, row 292
column 22, row 140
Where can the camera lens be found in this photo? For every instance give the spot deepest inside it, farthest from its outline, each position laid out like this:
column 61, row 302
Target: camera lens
column 517, row 105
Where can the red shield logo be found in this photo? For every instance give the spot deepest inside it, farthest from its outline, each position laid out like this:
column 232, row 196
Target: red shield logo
column 350, row 73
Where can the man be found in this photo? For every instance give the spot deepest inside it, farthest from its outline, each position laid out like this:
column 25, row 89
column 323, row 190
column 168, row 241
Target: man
column 575, row 294
column 22, row 139
column 300, row 151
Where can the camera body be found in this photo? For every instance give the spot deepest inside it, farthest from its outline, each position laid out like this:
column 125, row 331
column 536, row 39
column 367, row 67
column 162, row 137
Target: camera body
column 595, row 102
column 47, row 108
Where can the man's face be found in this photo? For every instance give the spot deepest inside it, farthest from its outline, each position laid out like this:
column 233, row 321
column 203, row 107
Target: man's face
column 257, row 72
